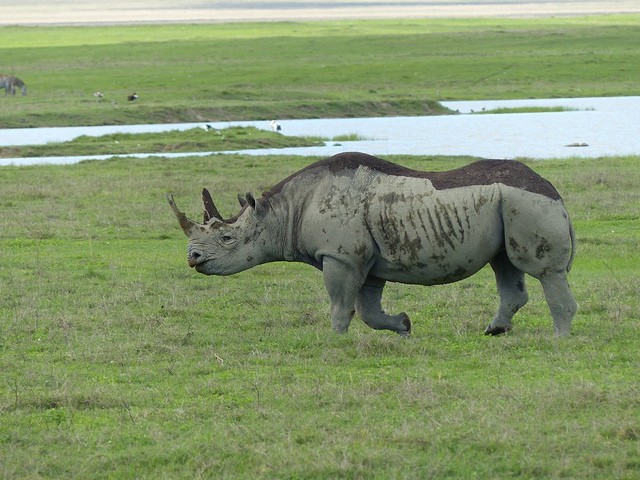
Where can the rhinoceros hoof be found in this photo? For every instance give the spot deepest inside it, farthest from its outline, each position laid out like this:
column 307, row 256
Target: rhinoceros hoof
column 406, row 322
column 498, row 330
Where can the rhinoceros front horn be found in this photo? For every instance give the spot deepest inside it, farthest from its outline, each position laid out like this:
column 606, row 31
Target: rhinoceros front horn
column 210, row 210
column 185, row 222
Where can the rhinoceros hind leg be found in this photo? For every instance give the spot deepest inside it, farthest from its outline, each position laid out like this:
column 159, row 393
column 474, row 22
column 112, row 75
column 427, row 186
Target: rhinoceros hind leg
column 369, row 307
column 512, row 291
column 560, row 300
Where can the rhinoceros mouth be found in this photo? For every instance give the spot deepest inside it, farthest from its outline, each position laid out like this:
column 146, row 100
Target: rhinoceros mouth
column 205, row 267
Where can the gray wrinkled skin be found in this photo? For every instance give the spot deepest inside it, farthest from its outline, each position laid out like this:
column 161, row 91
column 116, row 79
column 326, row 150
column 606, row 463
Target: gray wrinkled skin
column 364, row 221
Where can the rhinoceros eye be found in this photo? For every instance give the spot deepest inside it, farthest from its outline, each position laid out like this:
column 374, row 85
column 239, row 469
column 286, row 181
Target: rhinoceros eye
column 227, row 239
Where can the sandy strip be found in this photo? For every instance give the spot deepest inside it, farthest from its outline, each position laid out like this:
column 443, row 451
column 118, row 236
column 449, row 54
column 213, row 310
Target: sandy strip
column 67, row 12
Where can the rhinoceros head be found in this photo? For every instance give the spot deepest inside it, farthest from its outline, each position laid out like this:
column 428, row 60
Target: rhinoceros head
column 223, row 247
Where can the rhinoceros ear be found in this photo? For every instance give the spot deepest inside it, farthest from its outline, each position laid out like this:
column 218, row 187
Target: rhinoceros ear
column 242, row 200
column 210, row 210
column 186, row 224
column 258, row 204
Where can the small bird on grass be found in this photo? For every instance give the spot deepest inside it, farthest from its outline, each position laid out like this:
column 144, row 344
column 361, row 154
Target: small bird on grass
column 132, row 97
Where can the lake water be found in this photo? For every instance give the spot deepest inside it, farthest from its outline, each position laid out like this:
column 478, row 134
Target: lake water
column 594, row 127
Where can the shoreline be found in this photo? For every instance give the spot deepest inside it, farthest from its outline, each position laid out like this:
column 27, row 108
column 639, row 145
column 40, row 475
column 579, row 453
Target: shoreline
column 601, row 126
column 68, row 13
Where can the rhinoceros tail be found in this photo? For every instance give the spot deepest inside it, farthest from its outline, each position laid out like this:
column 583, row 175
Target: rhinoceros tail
column 572, row 234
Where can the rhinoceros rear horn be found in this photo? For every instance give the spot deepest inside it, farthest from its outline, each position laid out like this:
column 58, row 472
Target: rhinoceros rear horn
column 210, row 210
column 185, row 222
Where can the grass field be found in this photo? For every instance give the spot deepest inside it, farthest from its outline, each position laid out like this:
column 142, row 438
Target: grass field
column 315, row 69
column 173, row 141
column 118, row 361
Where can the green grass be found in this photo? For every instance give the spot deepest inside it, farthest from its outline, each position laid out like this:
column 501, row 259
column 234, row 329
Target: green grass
column 526, row 110
column 349, row 137
column 118, row 361
column 308, row 70
column 193, row 140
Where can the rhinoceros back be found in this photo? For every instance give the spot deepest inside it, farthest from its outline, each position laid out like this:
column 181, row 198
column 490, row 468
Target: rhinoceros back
column 482, row 172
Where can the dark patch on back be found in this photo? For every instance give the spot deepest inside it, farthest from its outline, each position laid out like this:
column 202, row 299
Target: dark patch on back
column 482, row 172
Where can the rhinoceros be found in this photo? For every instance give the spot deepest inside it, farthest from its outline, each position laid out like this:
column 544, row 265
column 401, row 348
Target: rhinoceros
column 364, row 221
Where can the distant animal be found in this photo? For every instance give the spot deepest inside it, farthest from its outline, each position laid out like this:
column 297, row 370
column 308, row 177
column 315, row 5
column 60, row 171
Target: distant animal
column 364, row 221
column 98, row 95
column 10, row 83
column 132, row 97
column 275, row 126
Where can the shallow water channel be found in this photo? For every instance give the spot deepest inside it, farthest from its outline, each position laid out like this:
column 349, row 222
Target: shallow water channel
column 591, row 127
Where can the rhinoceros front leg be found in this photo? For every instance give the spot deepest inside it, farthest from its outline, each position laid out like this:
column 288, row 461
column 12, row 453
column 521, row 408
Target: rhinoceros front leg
column 369, row 307
column 512, row 291
column 343, row 285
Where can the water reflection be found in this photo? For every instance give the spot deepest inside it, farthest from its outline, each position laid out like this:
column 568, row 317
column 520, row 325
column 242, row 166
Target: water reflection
column 601, row 126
